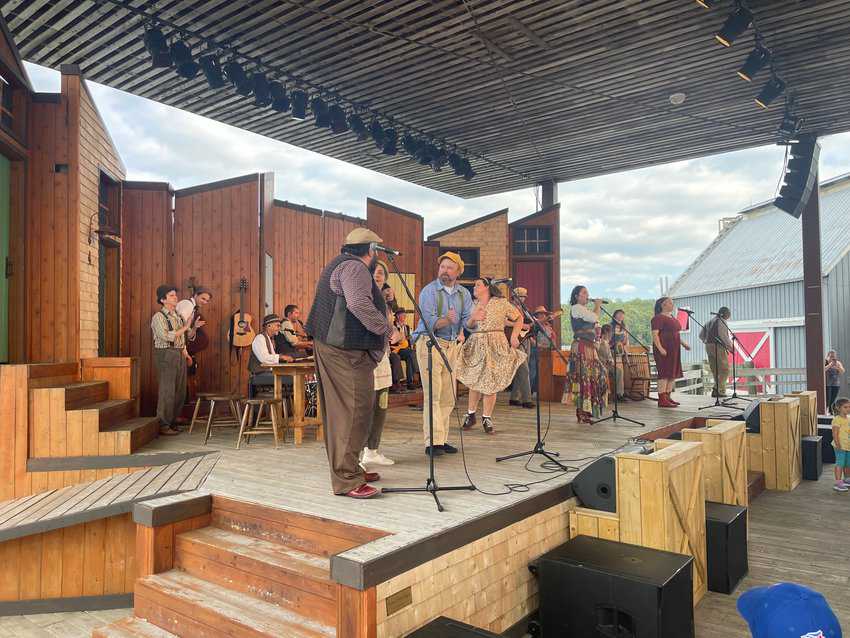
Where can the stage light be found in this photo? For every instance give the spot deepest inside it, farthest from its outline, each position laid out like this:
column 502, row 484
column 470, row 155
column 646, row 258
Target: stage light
column 468, row 173
column 734, row 26
column 260, row 87
column 320, row 113
column 358, row 127
column 790, row 126
column 755, row 62
column 157, row 47
column 390, row 142
column 238, row 78
column 707, row 4
column 456, row 162
column 280, row 101
column 426, row 153
column 181, row 55
column 377, row 133
column 410, row 144
column 211, row 68
column 772, row 90
column 339, row 121
column 799, row 179
column 299, row 105
column 439, row 159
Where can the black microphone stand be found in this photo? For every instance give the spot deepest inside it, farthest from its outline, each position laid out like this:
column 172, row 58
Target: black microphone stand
column 539, row 445
column 728, row 402
column 717, row 402
column 615, row 414
column 431, row 486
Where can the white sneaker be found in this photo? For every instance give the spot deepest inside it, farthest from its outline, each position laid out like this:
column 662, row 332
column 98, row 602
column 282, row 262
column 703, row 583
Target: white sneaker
column 840, row 487
column 373, row 457
column 847, row 481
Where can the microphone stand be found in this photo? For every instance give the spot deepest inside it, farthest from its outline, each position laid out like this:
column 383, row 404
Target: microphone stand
column 539, row 445
column 616, row 412
column 717, row 402
column 431, row 486
column 734, row 397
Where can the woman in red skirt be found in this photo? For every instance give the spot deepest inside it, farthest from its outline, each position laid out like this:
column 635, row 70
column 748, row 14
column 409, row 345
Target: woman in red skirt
column 666, row 349
column 588, row 381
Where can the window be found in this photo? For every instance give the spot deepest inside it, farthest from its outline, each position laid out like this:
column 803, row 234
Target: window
column 471, row 261
column 533, row 240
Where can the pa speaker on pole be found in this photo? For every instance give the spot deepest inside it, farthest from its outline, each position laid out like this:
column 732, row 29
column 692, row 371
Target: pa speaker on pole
column 800, row 174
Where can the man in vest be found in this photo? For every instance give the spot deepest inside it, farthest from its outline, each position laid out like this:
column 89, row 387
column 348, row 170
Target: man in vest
column 351, row 332
column 169, row 358
column 446, row 306
column 718, row 345
column 264, row 352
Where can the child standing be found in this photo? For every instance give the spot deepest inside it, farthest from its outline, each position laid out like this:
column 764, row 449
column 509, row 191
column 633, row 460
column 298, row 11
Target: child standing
column 841, row 442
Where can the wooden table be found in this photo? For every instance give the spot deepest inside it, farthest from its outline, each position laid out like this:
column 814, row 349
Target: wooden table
column 298, row 370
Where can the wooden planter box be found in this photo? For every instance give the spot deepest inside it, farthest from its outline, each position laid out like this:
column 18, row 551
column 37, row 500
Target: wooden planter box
column 776, row 449
column 808, row 411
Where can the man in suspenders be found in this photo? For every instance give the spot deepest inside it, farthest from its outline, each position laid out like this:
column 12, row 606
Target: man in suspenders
column 170, row 358
column 446, row 306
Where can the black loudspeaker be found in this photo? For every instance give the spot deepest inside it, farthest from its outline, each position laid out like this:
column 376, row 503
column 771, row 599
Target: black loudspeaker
column 443, row 627
column 595, row 485
column 827, row 452
column 811, row 451
column 593, row 588
column 726, row 546
column 752, row 415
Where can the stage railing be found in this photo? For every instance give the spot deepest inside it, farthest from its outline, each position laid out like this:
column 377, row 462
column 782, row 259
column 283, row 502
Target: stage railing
column 699, row 380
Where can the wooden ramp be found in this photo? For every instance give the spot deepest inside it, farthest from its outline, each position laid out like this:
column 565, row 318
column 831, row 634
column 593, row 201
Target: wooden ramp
column 74, row 547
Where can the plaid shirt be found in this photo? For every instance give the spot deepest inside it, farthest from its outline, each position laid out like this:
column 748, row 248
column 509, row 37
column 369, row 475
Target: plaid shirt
column 163, row 333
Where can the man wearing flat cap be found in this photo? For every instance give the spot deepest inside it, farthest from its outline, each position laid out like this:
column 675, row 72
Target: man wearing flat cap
column 263, row 353
column 446, row 306
column 351, row 332
column 169, row 358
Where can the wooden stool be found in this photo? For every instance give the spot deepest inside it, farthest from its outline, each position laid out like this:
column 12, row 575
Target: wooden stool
column 251, row 426
column 232, row 400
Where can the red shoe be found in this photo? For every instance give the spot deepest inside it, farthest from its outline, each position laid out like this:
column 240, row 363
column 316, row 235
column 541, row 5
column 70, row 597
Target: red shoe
column 364, row 491
column 671, row 400
column 371, row 477
column 664, row 401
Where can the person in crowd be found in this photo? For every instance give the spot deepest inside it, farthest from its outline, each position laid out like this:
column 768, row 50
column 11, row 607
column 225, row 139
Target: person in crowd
column 667, row 344
column 603, row 350
column 293, row 330
column 788, row 610
column 588, row 385
column 446, row 307
column 264, row 352
column 381, row 275
column 170, row 358
column 833, row 369
column 841, row 443
column 718, row 345
column 540, row 343
column 619, row 350
column 348, row 322
column 189, row 310
column 387, row 290
column 521, row 385
column 403, row 352
column 488, row 360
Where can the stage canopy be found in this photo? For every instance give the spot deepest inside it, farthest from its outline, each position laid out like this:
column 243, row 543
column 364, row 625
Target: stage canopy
column 532, row 90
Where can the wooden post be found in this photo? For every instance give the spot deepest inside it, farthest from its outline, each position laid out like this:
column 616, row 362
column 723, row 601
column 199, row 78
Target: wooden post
column 813, row 296
column 356, row 613
column 548, row 194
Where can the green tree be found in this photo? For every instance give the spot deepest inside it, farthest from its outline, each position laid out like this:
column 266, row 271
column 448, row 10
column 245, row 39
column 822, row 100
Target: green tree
column 638, row 316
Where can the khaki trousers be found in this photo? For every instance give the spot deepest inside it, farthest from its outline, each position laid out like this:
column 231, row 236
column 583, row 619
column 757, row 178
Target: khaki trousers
column 718, row 361
column 347, row 395
column 443, row 384
column 171, row 384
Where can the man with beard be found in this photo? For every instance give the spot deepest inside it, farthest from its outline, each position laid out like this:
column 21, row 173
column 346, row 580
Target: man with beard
column 446, row 306
column 350, row 331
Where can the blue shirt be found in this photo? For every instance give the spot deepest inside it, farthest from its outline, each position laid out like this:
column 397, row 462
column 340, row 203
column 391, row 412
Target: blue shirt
column 459, row 299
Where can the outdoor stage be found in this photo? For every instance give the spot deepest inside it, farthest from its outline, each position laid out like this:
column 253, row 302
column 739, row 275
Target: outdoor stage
column 789, row 530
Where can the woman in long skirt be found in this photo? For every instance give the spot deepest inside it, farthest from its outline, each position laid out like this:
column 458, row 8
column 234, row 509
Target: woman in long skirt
column 588, row 383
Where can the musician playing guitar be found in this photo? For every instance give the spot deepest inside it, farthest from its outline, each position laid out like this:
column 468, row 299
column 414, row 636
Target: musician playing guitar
column 190, row 310
column 293, row 330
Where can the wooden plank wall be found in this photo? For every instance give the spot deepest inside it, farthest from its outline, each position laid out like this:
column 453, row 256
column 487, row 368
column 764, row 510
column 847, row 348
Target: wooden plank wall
column 91, row 559
column 217, row 240
column 146, row 236
column 96, row 153
column 402, row 230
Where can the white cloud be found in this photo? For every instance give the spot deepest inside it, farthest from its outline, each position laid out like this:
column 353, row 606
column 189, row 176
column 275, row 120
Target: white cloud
column 625, row 289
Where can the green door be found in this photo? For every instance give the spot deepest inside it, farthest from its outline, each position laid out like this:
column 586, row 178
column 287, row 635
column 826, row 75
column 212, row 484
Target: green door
column 4, row 255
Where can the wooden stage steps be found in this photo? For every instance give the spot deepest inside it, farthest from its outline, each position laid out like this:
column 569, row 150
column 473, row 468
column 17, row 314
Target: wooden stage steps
column 253, row 571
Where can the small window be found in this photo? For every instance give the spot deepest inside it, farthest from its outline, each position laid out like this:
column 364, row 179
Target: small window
column 471, row 261
column 533, row 240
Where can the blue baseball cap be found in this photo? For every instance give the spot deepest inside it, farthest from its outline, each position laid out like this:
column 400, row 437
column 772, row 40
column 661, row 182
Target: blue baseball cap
column 787, row 610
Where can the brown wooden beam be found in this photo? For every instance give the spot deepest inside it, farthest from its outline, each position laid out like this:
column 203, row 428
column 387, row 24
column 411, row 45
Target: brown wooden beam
column 813, row 296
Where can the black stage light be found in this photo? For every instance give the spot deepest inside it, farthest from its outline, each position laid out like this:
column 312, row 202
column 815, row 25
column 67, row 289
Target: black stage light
column 426, row 152
column 320, row 113
column 756, row 61
column 799, row 179
column 439, row 159
column 734, row 26
column 377, row 133
column 772, row 90
column 280, row 101
column 157, row 47
column 456, row 162
column 238, row 78
column 390, row 142
column 468, row 173
column 410, row 144
column 790, row 126
column 339, row 121
column 358, row 126
column 299, row 104
column 212, row 71
column 707, row 4
column 260, row 87
column 181, row 55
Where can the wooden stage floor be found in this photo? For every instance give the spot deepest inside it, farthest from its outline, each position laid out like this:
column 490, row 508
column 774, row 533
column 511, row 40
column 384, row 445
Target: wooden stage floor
column 790, row 532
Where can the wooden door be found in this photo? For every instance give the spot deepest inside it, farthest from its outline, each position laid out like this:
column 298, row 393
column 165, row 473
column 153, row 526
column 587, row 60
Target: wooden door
column 109, row 268
column 4, row 257
column 535, row 276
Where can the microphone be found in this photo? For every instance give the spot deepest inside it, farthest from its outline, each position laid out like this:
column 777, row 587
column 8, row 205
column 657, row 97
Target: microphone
column 506, row 280
column 690, row 312
column 604, row 301
column 389, row 251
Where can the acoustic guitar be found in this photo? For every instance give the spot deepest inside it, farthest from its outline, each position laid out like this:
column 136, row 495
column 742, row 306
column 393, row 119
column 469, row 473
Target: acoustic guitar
column 201, row 341
column 241, row 334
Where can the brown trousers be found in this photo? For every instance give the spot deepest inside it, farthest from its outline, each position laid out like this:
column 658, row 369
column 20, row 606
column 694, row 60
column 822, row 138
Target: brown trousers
column 443, row 386
column 718, row 361
column 347, row 395
column 171, row 381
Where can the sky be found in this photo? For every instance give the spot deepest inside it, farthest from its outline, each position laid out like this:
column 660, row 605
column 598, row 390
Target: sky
column 619, row 233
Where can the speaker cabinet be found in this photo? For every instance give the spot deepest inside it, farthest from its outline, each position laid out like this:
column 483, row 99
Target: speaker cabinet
column 726, row 546
column 827, row 452
column 594, row 588
column 595, row 485
column 811, row 449
column 443, row 627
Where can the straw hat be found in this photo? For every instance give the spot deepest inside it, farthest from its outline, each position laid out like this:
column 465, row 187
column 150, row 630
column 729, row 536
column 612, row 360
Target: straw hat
column 519, row 291
column 455, row 258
